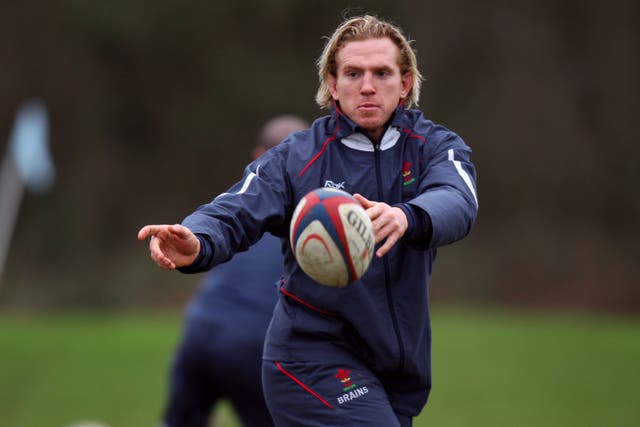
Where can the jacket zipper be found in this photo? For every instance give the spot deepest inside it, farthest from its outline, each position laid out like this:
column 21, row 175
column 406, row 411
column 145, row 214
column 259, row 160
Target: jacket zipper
column 385, row 263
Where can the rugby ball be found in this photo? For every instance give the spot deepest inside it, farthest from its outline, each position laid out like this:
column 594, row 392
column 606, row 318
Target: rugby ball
column 331, row 237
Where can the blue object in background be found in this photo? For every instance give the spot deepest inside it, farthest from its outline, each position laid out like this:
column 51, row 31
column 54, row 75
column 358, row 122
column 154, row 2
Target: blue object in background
column 29, row 146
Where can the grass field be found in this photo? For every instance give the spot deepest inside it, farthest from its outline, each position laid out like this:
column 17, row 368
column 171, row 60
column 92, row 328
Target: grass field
column 490, row 368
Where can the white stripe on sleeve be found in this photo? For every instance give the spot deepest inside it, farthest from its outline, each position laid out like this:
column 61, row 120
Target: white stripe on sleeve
column 245, row 185
column 463, row 173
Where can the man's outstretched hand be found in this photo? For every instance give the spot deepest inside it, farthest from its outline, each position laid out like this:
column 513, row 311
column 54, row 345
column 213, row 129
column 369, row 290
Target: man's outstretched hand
column 171, row 246
column 389, row 222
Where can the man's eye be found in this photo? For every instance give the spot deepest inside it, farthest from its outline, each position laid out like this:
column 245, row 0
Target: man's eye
column 352, row 74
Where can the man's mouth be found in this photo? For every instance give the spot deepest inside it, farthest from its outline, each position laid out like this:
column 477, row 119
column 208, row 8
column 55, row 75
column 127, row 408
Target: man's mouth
column 367, row 106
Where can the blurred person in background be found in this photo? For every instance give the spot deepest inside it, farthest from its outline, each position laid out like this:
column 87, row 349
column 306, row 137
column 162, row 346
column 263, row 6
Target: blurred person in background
column 220, row 354
column 358, row 355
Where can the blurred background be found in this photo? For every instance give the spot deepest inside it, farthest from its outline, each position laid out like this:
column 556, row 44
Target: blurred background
column 153, row 110
column 154, row 107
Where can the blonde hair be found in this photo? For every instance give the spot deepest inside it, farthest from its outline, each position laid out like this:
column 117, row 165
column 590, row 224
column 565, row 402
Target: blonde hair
column 364, row 28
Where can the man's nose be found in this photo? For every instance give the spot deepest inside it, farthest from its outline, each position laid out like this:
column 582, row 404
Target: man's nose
column 367, row 84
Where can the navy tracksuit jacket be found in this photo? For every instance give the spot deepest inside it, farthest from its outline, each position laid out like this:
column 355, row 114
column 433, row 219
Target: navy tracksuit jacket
column 382, row 319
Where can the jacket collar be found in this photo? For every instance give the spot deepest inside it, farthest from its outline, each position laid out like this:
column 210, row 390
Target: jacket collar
column 352, row 136
column 359, row 141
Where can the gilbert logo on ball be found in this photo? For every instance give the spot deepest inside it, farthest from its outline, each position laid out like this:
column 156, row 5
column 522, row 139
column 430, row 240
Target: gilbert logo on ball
column 332, row 237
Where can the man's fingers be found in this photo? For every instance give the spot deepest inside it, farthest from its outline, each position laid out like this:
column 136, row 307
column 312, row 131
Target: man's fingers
column 143, row 232
column 366, row 203
column 381, row 230
column 166, row 263
column 162, row 261
column 390, row 225
column 158, row 255
column 149, row 230
column 177, row 230
column 382, row 226
column 180, row 231
column 154, row 249
column 388, row 244
column 162, row 240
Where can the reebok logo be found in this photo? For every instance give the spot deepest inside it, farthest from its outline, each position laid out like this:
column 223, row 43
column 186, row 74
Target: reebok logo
column 330, row 184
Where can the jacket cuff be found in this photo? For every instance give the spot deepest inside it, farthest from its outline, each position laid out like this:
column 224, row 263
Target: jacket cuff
column 203, row 260
column 419, row 228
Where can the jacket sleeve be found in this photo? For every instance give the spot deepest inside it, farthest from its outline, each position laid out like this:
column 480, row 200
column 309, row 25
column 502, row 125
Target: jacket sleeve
column 447, row 189
column 236, row 219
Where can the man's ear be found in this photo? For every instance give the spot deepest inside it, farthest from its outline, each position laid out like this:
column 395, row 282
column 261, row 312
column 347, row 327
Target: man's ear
column 331, row 84
column 407, row 84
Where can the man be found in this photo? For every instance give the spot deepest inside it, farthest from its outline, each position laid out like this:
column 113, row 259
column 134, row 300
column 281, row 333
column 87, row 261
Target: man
column 359, row 355
column 220, row 354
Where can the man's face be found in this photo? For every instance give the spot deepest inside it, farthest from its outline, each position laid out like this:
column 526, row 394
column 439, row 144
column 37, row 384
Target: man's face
column 368, row 83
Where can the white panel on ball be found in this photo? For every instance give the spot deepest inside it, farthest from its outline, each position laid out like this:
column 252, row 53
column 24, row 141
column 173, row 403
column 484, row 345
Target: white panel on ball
column 320, row 257
column 332, row 237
